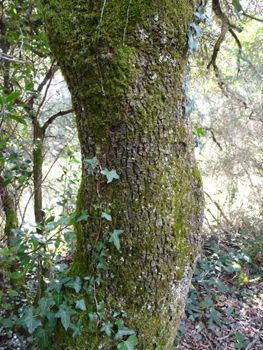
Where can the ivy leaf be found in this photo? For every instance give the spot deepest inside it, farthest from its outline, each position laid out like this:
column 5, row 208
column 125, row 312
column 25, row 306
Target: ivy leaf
column 106, row 216
column 80, row 304
column 122, row 330
column 43, row 334
column 106, row 327
column 101, row 265
column 58, row 298
column 114, row 237
column 92, row 162
column 64, row 314
column 58, row 285
column 110, row 174
column 197, row 29
column 76, row 328
column 237, row 5
column 129, row 344
column 52, row 320
column 75, row 284
column 45, row 304
column 93, row 316
column 29, row 321
column 66, row 220
column 83, row 216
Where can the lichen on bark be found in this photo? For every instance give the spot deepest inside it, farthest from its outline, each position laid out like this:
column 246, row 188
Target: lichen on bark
column 127, row 95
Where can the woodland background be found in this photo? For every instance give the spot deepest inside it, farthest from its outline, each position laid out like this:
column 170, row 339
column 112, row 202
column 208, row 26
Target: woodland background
column 40, row 172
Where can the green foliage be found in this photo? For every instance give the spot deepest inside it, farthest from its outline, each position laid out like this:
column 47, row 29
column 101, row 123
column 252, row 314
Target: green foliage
column 110, row 174
column 114, row 237
column 29, row 320
column 208, row 285
column 129, row 344
column 64, row 314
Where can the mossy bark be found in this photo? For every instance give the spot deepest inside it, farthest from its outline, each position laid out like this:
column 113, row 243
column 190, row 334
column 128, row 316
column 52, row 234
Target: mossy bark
column 37, row 173
column 10, row 213
column 125, row 63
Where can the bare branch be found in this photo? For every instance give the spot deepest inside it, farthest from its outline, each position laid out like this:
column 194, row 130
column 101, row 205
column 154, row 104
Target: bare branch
column 251, row 17
column 51, row 119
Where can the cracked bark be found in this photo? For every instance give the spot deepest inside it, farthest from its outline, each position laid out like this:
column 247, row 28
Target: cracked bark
column 141, row 132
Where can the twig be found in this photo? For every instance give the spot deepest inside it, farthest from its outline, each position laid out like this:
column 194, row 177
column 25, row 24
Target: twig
column 255, row 338
column 127, row 18
column 226, row 336
column 98, row 64
column 40, row 105
column 101, row 15
column 251, row 17
column 218, row 207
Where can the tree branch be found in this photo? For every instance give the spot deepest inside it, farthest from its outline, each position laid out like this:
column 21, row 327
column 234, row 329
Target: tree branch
column 51, row 119
column 251, row 17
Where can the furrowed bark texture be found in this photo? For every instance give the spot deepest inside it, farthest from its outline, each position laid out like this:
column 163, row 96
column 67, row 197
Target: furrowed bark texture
column 125, row 74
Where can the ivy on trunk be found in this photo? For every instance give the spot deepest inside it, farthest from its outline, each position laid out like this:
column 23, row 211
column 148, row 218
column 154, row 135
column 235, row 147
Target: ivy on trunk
column 125, row 64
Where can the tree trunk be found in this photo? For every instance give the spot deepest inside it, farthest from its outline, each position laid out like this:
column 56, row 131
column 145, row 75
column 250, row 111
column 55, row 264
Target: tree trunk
column 125, row 62
column 37, row 172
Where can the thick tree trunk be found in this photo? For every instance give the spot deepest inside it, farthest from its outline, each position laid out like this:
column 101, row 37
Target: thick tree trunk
column 125, row 62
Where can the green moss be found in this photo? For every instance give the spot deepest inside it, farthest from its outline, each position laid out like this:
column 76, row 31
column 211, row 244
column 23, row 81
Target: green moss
column 139, row 127
column 11, row 218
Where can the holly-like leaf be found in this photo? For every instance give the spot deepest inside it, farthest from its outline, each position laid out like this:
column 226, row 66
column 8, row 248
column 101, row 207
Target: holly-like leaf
column 239, row 337
column 193, row 44
column 16, row 274
column 45, row 304
column 76, row 328
column 12, row 97
column 12, row 292
column 110, row 174
column 129, row 344
column 92, row 162
column 18, row 119
column 29, row 321
column 50, row 219
column 237, row 5
column 187, row 109
column 80, row 304
column 198, row 30
column 106, row 327
column 122, row 330
column 114, row 237
column 64, row 314
column 75, row 284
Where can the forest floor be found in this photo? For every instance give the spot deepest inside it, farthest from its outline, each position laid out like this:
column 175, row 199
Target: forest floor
column 224, row 308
